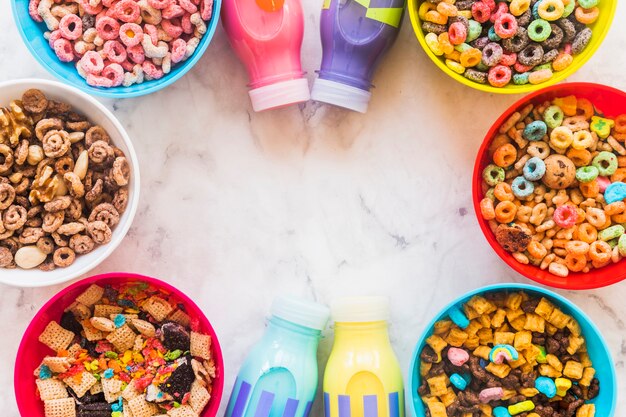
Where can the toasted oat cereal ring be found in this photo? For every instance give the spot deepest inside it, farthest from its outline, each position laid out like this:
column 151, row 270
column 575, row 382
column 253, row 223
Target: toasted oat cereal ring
column 577, row 247
column 487, row 209
column 7, row 195
column 106, row 213
column 14, row 217
column 505, row 211
column 538, row 149
column 63, row 257
column 590, row 189
column 580, row 157
column 96, row 134
column 562, row 137
column 505, row 155
column 64, row 164
column 503, row 192
column 587, row 16
column 606, row 162
column 537, row 250
column 81, row 244
column 596, row 217
column 581, row 139
column 600, row 251
column 587, row 233
column 615, row 208
column 99, row 232
column 535, row 131
column 34, row 101
column 575, row 263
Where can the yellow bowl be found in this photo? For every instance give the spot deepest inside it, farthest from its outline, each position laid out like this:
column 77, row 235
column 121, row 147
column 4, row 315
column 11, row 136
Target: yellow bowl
column 600, row 28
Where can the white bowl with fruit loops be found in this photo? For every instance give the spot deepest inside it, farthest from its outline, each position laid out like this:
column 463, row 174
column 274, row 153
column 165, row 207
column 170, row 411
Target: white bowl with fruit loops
column 69, row 183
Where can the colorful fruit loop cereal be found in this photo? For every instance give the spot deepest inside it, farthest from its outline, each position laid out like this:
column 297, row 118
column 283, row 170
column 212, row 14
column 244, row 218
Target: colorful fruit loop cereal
column 123, row 42
column 554, row 190
column 126, row 349
column 545, row 373
column 63, row 184
column 518, row 41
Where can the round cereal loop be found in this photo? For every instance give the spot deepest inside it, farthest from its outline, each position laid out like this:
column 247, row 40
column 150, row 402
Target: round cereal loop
column 7, row 154
column 56, row 143
column 108, row 28
column 492, row 54
column 161, row 4
column 14, row 217
column 99, row 232
column 131, row 34
column 561, row 137
column 550, row 10
column 587, row 16
column 120, row 200
column 99, row 152
column 75, row 210
column 173, row 30
column 174, row 10
column 52, row 221
column 502, row 191
column 481, row 12
column 7, row 195
column 553, row 116
column 606, row 163
column 81, row 244
column 30, row 235
column 46, row 245
column 63, row 49
column 114, row 51
column 554, row 40
column 457, row 33
column 206, row 9
column 505, row 211
column 610, row 233
column 151, row 71
column 560, row 172
column 522, row 188
column 179, row 47
column 519, row 7
column 518, row 42
column 63, row 257
column 504, row 156
column 34, row 101
column 581, row 41
column 71, row 27
column 91, row 62
column 127, row 11
column 531, row 55
column 493, row 174
column 600, row 251
column 114, row 73
column 539, row 30
column 487, row 209
column 534, row 169
column 106, row 213
column 121, row 171
column 506, row 26
column 64, row 164
column 596, row 217
column 565, row 216
column 499, row 76
column 587, row 174
column 575, row 263
column 535, row 131
column 96, row 134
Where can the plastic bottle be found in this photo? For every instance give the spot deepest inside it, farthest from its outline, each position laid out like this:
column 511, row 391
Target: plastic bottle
column 267, row 37
column 280, row 375
column 362, row 377
column 356, row 34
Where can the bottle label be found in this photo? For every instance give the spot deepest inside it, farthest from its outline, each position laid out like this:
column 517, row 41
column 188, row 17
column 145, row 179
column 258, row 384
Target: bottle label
column 391, row 16
column 363, row 406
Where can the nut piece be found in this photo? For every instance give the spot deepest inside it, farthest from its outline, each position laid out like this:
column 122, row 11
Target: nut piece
column 82, row 164
column 29, row 257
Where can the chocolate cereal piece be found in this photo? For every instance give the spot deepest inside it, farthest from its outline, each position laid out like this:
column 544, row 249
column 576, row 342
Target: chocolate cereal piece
column 512, row 238
column 181, row 379
column 175, row 337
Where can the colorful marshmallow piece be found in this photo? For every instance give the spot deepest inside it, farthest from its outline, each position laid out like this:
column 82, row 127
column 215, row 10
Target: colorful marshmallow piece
column 501, row 412
column 500, row 353
column 521, row 407
column 542, row 355
column 458, row 382
column 601, row 126
column 458, row 317
column 562, row 386
column 604, row 183
column 546, row 386
column 491, row 394
column 615, row 192
column 483, row 363
column 458, row 357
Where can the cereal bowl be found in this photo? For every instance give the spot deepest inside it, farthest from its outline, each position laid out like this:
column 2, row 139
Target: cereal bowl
column 31, row 351
column 611, row 102
column 32, row 35
column 600, row 28
column 599, row 354
column 97, row 114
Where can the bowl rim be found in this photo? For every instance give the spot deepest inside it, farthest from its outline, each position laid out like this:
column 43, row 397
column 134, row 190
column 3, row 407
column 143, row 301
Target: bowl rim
column 412, row 394
column 218, row 390
column 121, row 230
column 121, row 92
column 567, row 283
column 524, row 89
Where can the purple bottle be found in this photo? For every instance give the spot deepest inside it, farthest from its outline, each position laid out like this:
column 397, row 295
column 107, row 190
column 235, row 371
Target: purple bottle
column 355, row 36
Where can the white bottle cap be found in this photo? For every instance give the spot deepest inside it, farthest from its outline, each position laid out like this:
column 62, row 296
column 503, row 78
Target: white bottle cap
column 299, row 311
column 280, row 94
column 360, row 309
column 341, row 95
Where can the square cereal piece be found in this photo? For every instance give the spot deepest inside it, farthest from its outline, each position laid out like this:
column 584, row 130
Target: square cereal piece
column 141, row 408
column 105, row 310
column 112, row 389
column 519, row 323
column 485, row 335
column 559, row 319
column 182, row 411
column 91, row 333
column 585, row 360
column 470, row 313
column 425, row 368
column 157, row 308
column 544, row 309
column 128, row 317
column 574, row 327
column 531, row 353
column 79, row 310
column 554, row 362
column 575, row 343
column 437, row 343
column 130, row 392
column 62, row 407
column 448, row 398
column 126, row 409
column 528, row 392
column 573, row 370
column 438, row 385
column 56, row 337
column 139, row 343
column 497, row 320
column 482, row 352
column 486, row 410
column 523, row 340
column 586, row 410
column 437, row 409
column 456, row 337
column 51, row 389
column 57, row 364
column 501, row 371
column 80, row 383
column 503, row 338
column 518, row 363
column 74, row 349
column 198, row 397
column 442, row 327
column 535, row 323
column 527, row 368
column 514, row 301
column 123, row 338
column 588, row 375
column 485, row 320
column 180, row 317
column 91, row 295
column 511, row 315
column 508, row 394
column 481, row 305
column 473, row 327
column 472, row 342
column 550, row 329
column 96, row 389
column 549, row 371
column 200, row 345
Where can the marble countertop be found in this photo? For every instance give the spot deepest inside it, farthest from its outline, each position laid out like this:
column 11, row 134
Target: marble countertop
column 238, row 207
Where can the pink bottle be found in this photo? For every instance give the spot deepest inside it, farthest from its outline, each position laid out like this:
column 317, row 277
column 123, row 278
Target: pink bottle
column 267, row 37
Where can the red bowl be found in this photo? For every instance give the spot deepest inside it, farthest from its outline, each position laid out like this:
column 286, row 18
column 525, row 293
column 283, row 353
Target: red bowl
column 612, row 103
column 31, row 351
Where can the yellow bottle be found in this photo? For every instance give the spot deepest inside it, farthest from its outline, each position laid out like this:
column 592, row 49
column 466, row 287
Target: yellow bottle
column 363, row 376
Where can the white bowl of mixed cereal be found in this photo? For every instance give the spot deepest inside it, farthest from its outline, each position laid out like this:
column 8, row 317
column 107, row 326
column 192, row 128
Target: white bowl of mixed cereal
column 69, row 183
column 549, row 186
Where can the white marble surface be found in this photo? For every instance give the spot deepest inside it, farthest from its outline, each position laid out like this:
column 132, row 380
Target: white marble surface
column 237, row 207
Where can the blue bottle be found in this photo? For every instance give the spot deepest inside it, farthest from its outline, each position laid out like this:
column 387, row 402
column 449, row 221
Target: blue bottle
column 279, row 377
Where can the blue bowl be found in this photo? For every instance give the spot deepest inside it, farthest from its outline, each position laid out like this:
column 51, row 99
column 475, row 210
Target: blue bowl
column 32, row 34
column 605, row 403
